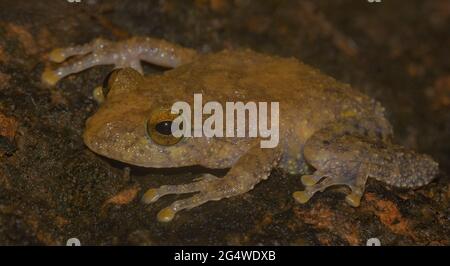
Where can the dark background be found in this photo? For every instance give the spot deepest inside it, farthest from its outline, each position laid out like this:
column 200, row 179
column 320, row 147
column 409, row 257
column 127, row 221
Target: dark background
column 53, row 188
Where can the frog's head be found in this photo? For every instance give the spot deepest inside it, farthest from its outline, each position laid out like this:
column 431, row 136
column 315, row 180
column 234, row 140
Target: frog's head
column 131, row 126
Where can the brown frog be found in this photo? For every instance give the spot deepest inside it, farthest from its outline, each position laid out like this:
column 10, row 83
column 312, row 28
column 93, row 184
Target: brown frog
column 323, row 124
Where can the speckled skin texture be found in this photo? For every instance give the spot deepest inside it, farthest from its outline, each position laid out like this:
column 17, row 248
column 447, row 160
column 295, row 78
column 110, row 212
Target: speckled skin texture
column 326, row 127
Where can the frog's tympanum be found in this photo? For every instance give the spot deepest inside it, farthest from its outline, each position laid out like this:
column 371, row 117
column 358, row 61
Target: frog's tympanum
column 329, row 133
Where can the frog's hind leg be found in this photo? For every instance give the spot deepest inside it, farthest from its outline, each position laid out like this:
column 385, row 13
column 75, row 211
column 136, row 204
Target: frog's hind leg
column 339, row 154
column 344, row 154
column 127, row 53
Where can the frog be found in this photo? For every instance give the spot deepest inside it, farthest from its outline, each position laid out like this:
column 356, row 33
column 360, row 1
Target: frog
column 330, row 134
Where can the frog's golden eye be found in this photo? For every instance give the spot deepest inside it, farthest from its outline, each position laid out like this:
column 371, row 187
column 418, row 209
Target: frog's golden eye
column 159, row 127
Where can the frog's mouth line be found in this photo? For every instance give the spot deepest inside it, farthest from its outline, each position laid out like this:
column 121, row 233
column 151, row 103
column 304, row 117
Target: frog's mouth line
column 165, row 171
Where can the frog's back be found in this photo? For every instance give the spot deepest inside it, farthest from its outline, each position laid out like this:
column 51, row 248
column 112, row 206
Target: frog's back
column 307, row 97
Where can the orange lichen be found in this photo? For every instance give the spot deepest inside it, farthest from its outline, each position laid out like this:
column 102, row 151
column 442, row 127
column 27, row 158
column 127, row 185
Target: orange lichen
column 322, row 217
column 389, row 215
column 23, row 36
column 219, row 6
column 42, row 236
column 343, row 43
column 45, row 41
column 266, row 220
column 58, row 98
column 3, row 55
column 4, row 78
column 415, row 70
column 124, row 196
column 439, row 94
column 8, row 127
column 61, row 221
column 257, row 24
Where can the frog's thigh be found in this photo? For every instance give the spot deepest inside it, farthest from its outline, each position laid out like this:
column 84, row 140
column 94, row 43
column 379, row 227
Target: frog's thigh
column 339, row 161
column 249, row 170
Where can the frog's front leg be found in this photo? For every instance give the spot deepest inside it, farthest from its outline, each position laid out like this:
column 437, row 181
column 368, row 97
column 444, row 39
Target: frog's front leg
column 122, row 54
column 345, row 154
column 248, row 171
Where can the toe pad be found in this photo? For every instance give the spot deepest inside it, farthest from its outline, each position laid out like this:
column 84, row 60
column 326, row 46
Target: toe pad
column 308, row 180
column 301, row 196
column 56, row 56
column 166, row 215
column 353, row 199
column 49, row 77
column 150, row 196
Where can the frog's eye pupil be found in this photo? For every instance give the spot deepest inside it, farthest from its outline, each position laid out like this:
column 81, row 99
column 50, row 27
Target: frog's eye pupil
column 159, row 127
column 164, row 127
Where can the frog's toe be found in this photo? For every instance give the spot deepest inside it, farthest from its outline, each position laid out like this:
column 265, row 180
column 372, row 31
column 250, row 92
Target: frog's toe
column 57, row 55
column 151, row 196
column 354, row 180
column 330, row 180
column 50, row 77
column 166, row 215
column 310, row 180
column 302, row 196
column 353, row 199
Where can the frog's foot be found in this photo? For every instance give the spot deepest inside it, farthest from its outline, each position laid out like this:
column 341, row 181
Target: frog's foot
column 347, row 155
column 154, row 194
column 209, row 187
column 354, row 179
column 97, row 52
column 340, row 159
column 122, row 54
